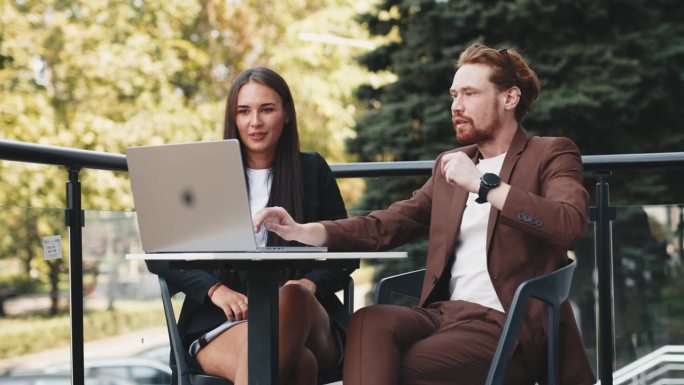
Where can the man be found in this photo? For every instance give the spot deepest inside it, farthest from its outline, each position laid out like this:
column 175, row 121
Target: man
column 499, row 211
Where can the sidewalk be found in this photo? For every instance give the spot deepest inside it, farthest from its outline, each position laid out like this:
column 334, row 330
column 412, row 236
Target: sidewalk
column 121, row 346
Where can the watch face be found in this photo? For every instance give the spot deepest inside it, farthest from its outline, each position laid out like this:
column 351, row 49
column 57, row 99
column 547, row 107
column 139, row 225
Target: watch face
column 490, row 179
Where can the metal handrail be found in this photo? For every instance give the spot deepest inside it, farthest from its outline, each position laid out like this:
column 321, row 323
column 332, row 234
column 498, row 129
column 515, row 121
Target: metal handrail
column 76, row 159
column 61, row 156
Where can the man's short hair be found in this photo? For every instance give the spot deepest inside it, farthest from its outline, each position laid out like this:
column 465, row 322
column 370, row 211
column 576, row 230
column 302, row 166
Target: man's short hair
column 509, row 69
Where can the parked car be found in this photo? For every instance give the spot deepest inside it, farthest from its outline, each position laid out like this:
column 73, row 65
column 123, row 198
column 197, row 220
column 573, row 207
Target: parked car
column 57, row 379
column 139, row 371
column 161, row 353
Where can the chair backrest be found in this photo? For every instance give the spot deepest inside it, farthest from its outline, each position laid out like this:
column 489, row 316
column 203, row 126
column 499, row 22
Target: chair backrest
column 348, row 296
column 553, row 289
column 335, row 374
column 408, row 284
column 181, row 372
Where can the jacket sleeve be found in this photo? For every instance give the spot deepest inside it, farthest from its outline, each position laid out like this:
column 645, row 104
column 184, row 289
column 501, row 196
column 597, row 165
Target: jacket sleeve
column 331, row 206
column 194, row 283
column 557, row 214
column 382, row 230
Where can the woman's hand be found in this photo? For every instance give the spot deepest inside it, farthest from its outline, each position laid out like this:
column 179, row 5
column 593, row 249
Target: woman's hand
column 233, row 303
column 279, row 221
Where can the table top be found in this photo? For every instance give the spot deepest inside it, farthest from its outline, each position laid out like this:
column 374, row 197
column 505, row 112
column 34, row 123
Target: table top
column 264, row 256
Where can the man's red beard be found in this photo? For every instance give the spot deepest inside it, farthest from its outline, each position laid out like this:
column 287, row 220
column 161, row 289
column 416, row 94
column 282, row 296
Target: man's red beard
column 470, row 134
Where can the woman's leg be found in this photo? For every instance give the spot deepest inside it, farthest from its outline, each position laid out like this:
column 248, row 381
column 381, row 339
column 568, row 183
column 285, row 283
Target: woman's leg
column 226, row 355
column 304, row 325
column 304, row 330
column 305, row 371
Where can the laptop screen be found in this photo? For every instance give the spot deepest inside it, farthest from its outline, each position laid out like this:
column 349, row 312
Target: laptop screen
column 191, row 197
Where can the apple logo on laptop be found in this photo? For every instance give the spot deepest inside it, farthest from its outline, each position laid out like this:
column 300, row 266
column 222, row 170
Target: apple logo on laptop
column 188, row 197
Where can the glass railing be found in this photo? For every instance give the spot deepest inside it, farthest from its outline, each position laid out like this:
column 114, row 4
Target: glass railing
column 123, row 321
column 648, row 293
column 122, row 317
column 125, row 331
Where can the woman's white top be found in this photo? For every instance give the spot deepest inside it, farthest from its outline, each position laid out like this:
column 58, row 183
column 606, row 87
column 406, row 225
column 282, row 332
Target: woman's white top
column 259, row 191
column 470, row 279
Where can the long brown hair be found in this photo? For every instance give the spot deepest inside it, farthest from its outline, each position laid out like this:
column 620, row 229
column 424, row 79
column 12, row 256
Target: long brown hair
column 509, row 69
column 287, row 188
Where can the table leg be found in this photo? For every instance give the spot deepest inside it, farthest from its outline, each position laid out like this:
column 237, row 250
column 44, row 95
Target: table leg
column 263, row 326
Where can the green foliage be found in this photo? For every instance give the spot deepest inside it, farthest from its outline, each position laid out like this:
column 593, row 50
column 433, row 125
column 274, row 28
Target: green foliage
column 104, row 75
column 612, row 77
column 21, row 283
column 675, row 307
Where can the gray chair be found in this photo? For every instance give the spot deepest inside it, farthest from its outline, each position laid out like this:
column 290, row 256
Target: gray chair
column 553, row 289
column 182, row 375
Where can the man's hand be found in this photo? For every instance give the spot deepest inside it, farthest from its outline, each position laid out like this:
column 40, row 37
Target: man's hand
column 303, row 282
column 459, row 170
column 233, row 303
column 279, row 221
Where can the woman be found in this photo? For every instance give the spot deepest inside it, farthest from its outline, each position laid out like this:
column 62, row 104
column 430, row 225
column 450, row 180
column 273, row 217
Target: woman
column 260, row 113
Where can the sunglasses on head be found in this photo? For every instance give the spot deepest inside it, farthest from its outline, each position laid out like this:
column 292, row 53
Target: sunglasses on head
column 510, row 69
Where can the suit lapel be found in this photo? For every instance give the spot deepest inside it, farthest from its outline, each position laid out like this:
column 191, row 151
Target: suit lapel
column 512, row 155
column 454, row 216
column 450, row 217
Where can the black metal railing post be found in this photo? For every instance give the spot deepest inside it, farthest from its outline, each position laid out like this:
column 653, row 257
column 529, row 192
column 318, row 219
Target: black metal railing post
column 602, row 215
column 680, row 232
column 75, row 220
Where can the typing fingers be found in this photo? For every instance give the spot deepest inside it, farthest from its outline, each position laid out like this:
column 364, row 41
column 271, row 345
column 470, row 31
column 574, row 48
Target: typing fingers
column 269, row 214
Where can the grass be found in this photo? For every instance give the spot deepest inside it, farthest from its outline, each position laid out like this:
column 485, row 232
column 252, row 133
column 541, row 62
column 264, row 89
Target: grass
column 25, row 335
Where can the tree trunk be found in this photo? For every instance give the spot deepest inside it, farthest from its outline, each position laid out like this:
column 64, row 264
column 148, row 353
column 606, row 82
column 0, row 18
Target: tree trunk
column 54, row 268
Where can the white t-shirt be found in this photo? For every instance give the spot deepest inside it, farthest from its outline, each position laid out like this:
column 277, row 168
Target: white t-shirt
column 259, row 191
column 470, row 279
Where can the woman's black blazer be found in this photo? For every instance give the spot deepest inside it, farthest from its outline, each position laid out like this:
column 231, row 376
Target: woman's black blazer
column 322, row 201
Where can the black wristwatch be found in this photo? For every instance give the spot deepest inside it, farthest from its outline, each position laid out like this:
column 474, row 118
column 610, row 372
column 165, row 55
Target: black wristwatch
column 488, row 181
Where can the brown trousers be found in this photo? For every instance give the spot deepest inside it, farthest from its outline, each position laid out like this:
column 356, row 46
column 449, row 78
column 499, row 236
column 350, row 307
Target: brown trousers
column 450, row 342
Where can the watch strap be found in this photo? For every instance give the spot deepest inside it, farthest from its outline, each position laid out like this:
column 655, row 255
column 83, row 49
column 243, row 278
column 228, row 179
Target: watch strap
column 486, row 186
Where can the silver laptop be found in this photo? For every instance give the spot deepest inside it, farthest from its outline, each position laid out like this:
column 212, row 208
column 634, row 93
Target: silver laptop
column 192, row 197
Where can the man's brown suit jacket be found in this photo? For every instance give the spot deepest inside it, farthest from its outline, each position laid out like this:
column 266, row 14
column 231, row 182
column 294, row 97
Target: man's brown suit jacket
column 544, row 215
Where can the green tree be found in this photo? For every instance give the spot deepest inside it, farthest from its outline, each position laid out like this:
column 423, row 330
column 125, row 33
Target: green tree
column 108, row 74
column 606, row 83
column 89, row 76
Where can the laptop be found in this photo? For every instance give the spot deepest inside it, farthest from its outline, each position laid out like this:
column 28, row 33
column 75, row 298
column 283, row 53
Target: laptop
column 192, row 197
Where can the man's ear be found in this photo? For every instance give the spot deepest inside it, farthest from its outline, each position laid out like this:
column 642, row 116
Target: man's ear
column 512, row 98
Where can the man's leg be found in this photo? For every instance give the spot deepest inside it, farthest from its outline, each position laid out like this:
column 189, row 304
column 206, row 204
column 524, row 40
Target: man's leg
column 377, row 336
column 461, row 351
